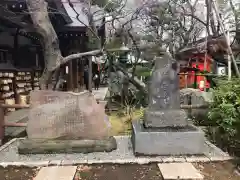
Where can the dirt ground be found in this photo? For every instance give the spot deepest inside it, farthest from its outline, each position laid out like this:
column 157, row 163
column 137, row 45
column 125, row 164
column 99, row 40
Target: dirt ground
column 211, row 171
column 20, row 173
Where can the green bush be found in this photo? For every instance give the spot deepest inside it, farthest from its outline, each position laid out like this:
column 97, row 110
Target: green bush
column 224, row 114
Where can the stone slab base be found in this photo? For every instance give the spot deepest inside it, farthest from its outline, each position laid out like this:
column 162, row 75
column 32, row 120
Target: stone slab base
column 29, row 146
column 165, row 118
column 165, row 141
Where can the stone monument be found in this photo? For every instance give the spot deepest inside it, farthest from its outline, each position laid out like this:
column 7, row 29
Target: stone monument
column 165, row 129
column 65, row 122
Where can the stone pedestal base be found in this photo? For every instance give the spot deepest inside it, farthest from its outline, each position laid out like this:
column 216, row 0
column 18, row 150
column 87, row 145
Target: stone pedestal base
column 40, row 146
column 167, row 141
column 165, row 118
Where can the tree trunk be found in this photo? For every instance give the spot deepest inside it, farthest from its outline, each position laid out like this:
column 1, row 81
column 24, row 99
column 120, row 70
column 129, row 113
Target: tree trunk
column 237, row 21
column 211, row 17
column 52, row 55
column 135, row 81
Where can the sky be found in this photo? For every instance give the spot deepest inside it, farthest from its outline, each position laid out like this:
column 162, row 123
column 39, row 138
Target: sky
column 200, row 9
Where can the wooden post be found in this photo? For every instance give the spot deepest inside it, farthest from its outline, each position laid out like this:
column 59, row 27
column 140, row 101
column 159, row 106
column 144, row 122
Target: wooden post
column 186, row 80
column 90, row 74
column 205, row 62
column 81, row 74
column 70, row 76
column 189, row 103
column 195, row 80
column 16, row 95
column 110, row 60
column 229, row 57
column 75, row 74
column 16, row 46
column 2, row 129
column 15, row 59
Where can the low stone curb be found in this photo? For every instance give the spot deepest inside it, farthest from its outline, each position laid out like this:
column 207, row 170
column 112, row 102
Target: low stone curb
column 116, row 161
column 7, row 144
column 237, row 171
column 25, row 164
column 223, row 155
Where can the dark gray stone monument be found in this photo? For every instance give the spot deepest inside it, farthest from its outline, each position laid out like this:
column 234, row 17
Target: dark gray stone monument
column 164, row 129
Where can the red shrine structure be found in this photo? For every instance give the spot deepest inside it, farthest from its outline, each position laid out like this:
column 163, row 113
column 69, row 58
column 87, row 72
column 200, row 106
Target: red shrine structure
column 192, row 59
column 197, row 61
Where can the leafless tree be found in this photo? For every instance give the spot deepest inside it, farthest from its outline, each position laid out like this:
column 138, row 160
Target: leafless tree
column 172, row 24
column 38, row 10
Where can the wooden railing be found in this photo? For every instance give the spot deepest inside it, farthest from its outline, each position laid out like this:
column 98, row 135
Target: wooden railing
column 4, row 124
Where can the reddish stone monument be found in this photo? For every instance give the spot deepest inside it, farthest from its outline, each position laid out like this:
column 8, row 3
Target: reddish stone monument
column 75, row 120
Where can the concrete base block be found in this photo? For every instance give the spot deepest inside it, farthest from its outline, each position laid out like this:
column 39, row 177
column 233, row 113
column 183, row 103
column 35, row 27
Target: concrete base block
column 165, row 118
column 167, row 141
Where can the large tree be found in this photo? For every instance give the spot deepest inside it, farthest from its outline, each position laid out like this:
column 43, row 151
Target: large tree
column 172, row 24
column 169, row 24
column 38, row 10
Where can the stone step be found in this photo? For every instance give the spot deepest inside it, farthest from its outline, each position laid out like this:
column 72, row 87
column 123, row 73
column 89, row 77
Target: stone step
column 179, row 171
column 56, row 173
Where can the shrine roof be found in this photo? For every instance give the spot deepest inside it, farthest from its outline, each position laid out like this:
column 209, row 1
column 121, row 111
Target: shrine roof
column 217, row 48
column 214, row 45
column 12, row 20
column 63, row 13
column 78, row 13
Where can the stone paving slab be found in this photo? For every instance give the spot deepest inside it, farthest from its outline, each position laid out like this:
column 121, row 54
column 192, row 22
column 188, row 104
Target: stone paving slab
column 101, row 93
column 124, row 154
column 56, row 172
column 179, row 171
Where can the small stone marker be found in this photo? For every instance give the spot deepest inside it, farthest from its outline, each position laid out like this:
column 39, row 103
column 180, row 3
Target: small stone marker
column 179, row 171
column 56, row 173
column 164, row 96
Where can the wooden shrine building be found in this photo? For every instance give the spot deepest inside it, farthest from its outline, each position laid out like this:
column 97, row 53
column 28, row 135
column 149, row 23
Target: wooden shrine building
column 193, row 57
column 21, row 52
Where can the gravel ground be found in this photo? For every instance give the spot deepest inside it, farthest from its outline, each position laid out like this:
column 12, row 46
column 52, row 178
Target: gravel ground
column 124, row 154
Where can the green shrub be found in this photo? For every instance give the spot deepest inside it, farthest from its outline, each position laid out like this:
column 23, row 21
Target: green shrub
column 225, row 114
